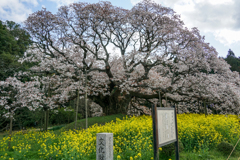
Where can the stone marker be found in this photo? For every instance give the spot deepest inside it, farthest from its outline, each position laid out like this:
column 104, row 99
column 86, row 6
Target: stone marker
column 104, row 146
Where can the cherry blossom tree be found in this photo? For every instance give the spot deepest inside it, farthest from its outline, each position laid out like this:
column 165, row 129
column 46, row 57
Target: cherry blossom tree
column 34, row 94
column 15, row 94
column 127, row 54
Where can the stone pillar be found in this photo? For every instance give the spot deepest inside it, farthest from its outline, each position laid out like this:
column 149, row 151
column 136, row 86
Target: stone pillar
column 104, row 147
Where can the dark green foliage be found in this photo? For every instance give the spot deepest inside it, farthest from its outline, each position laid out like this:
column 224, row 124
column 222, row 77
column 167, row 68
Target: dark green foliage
column 55, row 128
column 21, row 36
column 93, row 120
column 225, row 148
column 233, row 61
column 230, row 53
column 14, row 41
column 169, row 149
column 8, row 44
column 13, row 38
column 23, row 119
column 8, row 65
column 62, row 116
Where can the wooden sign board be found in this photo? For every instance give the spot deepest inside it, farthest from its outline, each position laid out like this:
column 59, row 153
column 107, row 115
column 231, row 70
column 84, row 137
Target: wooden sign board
column 166, row 126
column 164, row 129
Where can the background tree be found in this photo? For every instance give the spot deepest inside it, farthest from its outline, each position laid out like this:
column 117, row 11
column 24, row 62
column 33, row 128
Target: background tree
column 231, row 53
column 14, row 41
column 233, row 61
column 15, row 95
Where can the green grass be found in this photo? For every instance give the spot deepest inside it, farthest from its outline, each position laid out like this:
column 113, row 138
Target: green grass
column 208, row 155
column 3, row 134
column 184, row 155
column 81, row 124
column 55, row 128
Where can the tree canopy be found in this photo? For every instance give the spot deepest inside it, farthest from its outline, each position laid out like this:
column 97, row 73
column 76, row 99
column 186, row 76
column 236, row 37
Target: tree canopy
column 128, row 57
column 128, row 54
column 233, row 61
column 14, row 41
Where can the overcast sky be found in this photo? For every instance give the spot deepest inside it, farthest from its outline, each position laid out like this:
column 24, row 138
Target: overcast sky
column 218, row 20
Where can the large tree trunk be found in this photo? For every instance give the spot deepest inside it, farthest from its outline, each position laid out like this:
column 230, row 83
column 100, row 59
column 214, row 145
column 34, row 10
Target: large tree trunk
column 10, row 132
column 113, row 104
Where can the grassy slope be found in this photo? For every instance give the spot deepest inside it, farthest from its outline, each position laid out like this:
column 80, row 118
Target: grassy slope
column 81, row 124
column 209, row 155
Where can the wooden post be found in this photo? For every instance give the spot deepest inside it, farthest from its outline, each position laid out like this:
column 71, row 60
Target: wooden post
column 42, row 120
column 176, row 143
column 47, row 110
column 177, row 108
column 10, row 131
column 160, row 98
column 76, row 117
column 130, row 109
column 86, row 89
column 45, row 120
column 155, row 132
column 76, row 109
column 205, row 108
column 166, row 99
column 199, row 107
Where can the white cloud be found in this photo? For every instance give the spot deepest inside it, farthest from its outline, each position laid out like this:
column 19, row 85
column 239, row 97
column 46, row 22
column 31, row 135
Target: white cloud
column 219, row 17
column 218, row 2
column 227, row 37
column 16, row 10
column 33, row 2
column 63, row 2
column 135, row 1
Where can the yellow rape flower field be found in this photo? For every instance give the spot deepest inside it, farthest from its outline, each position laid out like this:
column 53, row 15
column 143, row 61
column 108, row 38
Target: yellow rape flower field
column 133, row 138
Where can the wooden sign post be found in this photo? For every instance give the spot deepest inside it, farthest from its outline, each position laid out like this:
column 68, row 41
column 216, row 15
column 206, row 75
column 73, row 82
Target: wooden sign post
column 164, row 129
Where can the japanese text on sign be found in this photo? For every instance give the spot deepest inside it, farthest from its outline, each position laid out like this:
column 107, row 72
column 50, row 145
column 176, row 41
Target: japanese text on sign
column 166, row 126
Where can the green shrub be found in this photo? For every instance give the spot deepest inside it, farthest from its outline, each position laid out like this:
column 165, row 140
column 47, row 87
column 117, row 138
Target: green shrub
column 225, row 148
column 62, row 116
column 169, row 149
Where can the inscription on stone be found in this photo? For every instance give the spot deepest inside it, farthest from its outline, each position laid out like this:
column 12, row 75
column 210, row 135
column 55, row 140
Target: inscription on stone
column 166, row 126
column 104, row 146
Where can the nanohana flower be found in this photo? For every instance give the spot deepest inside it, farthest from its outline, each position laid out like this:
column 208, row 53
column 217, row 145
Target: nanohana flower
column 131, row 134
